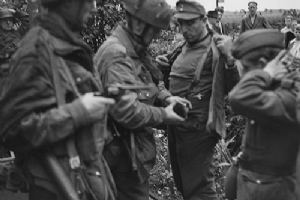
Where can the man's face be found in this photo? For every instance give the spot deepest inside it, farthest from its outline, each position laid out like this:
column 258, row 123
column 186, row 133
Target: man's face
column 220, row 15
column 6, row 24
column 193, row 29
column 81, row 11
column 252, row 8
column 288, row 21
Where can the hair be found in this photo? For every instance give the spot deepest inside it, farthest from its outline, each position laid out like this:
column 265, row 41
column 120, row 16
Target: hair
column 289, row 16
column 252, row 2
column 252, row 58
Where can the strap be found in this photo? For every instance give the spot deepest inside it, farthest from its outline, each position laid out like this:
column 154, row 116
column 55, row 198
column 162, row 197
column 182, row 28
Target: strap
column 201, row 63
column 74, row 159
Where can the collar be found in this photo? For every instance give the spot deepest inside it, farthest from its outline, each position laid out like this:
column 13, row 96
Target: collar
column 203, row 43
column 134, row 48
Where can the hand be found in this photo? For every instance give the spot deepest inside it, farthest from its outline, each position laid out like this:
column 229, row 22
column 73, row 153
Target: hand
column 224, row 44
column 275, row 68
column 96, row 106
column 162, row 60
column 172, row 117
column 176, row 99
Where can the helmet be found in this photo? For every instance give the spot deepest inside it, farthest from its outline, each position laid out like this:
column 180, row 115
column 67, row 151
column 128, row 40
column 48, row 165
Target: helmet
column 6, row 13
column 154, row 12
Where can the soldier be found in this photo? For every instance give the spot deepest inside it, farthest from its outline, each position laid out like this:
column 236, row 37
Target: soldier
column 253, row 20
column 266, row 95
column 203, row 73
column 123, row 58
column 49, row 115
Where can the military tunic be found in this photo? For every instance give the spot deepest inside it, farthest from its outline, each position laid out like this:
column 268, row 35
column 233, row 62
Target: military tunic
column 271, row 142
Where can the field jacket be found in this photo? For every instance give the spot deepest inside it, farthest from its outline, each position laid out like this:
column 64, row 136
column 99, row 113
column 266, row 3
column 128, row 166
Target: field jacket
column 31, row 120
column 122, row 60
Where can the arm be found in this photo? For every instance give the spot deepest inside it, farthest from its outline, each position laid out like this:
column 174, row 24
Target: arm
column 29, row 107
column 254, row 98
column 133, row 113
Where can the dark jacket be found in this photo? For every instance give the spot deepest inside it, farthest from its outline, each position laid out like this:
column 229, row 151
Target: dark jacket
column 260, row 22
column 122, row 60
column 218, row 30
column 271, row 142
column 183, row 70
column 31, row 121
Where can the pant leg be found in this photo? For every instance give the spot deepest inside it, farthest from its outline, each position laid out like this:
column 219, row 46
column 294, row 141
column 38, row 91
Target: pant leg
column 254, row 186
column 194, row 160
column 129, row 186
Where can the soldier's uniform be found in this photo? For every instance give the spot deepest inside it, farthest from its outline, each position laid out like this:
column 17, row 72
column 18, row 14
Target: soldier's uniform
column 124, row 59
column 200, row 75
column 41, row 111
column 271, row 141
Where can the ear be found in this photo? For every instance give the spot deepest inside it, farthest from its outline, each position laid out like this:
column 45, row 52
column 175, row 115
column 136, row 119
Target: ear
column 262, row 62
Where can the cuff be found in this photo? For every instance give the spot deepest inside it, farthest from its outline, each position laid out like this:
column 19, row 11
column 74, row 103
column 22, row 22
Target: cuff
column 79, row 113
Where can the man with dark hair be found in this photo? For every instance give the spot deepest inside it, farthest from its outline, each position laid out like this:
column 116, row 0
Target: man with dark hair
column 253, row 20
column 266, row 95
column 123, row 59
column 49, row 114
column 203, row 73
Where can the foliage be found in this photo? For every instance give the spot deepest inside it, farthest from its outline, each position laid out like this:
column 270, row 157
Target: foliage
column 100, row 26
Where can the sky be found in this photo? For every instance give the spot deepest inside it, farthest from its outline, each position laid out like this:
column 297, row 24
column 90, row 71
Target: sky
column 236, row 5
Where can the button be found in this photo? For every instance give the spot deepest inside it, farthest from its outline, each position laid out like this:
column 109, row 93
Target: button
column 147, row 94
column 258, row 181
column 78, row 79
column 252, row 122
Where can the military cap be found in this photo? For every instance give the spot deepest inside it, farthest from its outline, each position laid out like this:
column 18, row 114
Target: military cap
column 186, row 9
column 6, row 13
column 255, row 39
column 212, row 14
column 254, row 2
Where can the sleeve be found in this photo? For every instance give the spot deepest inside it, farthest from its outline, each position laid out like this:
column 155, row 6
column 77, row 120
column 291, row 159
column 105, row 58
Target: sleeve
column 29, row 107
column 232, row 77
column 163, row 92
column 131, row 114
column 254, row 98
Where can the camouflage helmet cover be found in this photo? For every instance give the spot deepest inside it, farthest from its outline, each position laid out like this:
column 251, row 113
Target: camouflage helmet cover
column 6, row 13
column 154, row 12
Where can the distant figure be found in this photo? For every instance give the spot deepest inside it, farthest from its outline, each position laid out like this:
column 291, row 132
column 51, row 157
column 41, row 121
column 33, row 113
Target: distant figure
column 294, row 24
column 288, row 24
column 223, row 28
column 295, row 43
column 253, row 20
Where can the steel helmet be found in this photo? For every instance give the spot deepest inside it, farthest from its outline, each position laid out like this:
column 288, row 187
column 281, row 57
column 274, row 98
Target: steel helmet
column 6, row 13
column 154, row 12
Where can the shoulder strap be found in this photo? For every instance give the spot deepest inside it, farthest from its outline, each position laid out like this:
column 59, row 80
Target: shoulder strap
column 201, row 63
column 74, row 159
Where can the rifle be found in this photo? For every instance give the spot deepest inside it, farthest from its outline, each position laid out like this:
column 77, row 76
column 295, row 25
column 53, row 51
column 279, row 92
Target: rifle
column 60, row 177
